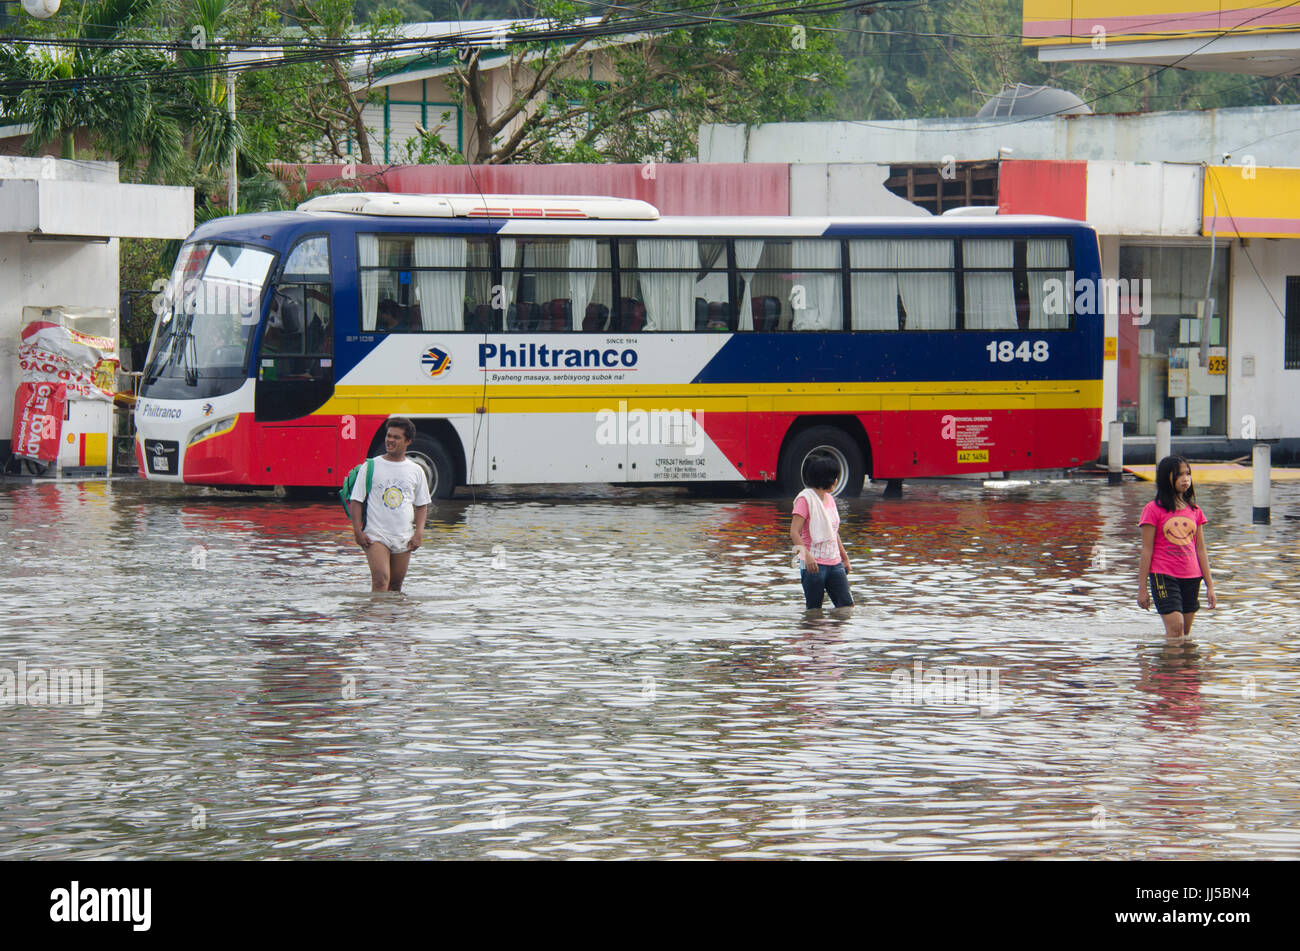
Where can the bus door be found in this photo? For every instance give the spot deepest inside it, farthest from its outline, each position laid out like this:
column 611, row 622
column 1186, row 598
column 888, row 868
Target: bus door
column 295, row 373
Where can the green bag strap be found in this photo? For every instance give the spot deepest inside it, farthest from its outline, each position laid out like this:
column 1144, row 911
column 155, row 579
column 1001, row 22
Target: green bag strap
column 370, row 475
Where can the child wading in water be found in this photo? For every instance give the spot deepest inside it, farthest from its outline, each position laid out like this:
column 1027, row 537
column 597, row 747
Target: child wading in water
column 1173, row 549
column 815, row 529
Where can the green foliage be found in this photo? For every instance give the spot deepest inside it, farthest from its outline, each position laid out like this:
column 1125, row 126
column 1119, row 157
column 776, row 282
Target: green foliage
column 911, row 75
column 646, row 100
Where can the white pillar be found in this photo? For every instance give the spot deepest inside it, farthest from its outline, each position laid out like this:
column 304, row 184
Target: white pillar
column 1163, row 433
column 1259, row 496
column 1115, row 453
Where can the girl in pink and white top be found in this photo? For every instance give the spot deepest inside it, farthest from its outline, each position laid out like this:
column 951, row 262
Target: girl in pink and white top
column 815, row 529
column 1174, row 560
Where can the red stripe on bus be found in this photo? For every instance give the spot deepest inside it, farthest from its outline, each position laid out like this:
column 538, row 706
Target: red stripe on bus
column 319, row 450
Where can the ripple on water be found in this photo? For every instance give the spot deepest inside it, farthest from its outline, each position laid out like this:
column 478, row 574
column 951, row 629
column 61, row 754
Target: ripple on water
column 622, row 673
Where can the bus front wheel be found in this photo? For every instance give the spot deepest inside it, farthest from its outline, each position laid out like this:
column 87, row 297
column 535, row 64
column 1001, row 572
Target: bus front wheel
column 427, row 453
column 823, row 440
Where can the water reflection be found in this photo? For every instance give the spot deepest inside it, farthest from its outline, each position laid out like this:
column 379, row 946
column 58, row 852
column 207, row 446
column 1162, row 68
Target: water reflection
column 612, row 672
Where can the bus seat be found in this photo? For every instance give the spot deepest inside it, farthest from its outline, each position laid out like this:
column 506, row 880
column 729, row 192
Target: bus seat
column 631, row 315
column 766, row 312
column 525, row 316
column 719, row 316
column 558, row 314
column 596, row 318
column 701, row 313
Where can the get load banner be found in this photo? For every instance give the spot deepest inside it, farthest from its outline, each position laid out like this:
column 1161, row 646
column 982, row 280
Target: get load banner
column 85, row 365
column 38, row 420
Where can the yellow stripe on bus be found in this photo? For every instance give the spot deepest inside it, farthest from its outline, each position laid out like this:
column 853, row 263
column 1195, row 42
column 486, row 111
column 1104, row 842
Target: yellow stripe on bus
column 758, row 397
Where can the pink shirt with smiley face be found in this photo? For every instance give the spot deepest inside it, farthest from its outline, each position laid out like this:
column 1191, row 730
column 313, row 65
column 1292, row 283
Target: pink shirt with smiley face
column 1174, row 553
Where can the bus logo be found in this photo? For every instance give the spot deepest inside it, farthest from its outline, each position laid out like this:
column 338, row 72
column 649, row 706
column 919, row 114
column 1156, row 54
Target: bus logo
column 436, row 362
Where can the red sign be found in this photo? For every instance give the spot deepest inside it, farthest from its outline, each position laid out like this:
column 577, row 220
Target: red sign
column 38, row 420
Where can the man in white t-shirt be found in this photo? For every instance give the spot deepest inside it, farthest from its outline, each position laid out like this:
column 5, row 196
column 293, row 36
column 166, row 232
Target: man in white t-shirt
column 395, row 509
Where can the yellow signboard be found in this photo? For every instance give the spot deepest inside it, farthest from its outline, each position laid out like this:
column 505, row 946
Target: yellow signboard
column 1112, row 348
column 1247, row 202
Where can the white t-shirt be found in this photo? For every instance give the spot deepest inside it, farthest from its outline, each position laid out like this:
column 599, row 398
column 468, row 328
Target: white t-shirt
column 397, row 488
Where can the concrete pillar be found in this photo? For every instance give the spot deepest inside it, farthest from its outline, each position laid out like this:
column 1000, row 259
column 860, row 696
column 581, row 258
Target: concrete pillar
column 1115, row 453
column 1260, row 495
column 1163, row 438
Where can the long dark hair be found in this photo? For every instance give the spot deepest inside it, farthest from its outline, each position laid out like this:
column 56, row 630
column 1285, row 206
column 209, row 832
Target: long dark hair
column 1166, row 475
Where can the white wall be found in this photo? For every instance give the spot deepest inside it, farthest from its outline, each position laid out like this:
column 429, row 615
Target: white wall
column 1145, row 198
column 1255, row 329
column 1265, row 134
column 846, row 189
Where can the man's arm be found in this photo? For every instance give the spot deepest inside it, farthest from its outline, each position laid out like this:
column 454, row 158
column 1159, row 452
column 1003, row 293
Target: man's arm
column 354, row 509
column 418, row 538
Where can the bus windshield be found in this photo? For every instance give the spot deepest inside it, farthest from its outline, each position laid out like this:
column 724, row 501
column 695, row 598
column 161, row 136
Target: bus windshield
column 205, row 326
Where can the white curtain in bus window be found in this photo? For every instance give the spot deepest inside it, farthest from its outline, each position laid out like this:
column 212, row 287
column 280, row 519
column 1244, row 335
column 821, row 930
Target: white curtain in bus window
column 990, row 295
column 368, row 250
column 582, row 276
column 712, row 288
column 925, row 283
column 550, row 286
column 441, row 292
column 748, row 252
column 823, row 295
column 509, row 249
column 1051, row 282
column 875, row 295
column 669, row 296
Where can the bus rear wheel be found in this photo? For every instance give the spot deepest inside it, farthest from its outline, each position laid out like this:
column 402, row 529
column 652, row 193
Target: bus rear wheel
column 823, row 440
column 427, row 453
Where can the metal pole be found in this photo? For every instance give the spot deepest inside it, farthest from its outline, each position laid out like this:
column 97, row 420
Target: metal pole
column 232, row 182
column 1259, row 497
column 1115, row 454
column 1163, row 431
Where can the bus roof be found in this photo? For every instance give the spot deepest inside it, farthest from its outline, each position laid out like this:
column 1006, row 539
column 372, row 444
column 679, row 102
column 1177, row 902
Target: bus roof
column 387, row 204
column 288, row 226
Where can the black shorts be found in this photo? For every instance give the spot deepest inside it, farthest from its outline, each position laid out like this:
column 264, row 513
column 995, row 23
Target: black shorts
column 1175, row 594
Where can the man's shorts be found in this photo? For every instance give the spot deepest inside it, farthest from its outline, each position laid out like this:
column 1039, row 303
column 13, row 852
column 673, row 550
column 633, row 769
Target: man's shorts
column 395, row 545
column 1175, row 594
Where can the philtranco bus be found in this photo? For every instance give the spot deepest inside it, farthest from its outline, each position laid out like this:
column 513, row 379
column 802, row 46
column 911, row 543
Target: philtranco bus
column 561, row 340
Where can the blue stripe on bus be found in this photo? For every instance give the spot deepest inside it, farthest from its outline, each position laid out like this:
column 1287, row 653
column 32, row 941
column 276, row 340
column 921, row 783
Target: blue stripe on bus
column 913, row 356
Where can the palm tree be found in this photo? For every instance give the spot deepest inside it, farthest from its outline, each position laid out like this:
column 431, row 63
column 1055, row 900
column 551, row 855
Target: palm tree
column 118, row 97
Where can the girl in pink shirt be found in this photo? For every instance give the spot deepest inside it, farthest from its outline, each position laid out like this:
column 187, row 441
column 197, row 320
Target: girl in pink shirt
column 1174, row 560
column 815, row 530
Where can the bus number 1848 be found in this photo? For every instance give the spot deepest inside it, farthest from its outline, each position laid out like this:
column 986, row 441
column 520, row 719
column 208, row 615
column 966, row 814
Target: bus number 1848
column 1004, row 351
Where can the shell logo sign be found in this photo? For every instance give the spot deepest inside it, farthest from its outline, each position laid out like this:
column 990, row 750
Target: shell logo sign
column 436, row 362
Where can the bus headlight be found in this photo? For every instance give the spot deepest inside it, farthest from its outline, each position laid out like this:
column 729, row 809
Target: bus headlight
column 212, row 429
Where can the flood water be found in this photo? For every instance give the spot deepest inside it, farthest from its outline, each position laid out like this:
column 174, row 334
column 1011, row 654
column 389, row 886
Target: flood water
column 609, row 672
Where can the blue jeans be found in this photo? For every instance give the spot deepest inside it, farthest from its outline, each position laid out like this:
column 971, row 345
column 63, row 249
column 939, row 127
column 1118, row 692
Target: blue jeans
column 827, row 578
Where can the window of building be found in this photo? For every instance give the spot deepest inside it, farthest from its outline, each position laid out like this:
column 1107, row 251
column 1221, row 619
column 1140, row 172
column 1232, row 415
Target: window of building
column 1291, row 332
column 1160, row 299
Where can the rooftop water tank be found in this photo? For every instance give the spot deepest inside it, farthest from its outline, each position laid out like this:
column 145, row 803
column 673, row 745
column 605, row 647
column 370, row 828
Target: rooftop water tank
column 1023, row 101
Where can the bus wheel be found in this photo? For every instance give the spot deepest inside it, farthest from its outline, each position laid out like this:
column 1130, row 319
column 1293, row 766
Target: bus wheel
column 428, row 454
column 827, row 440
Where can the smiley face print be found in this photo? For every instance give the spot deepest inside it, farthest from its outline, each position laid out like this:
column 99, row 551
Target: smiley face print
column 1180, row 530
